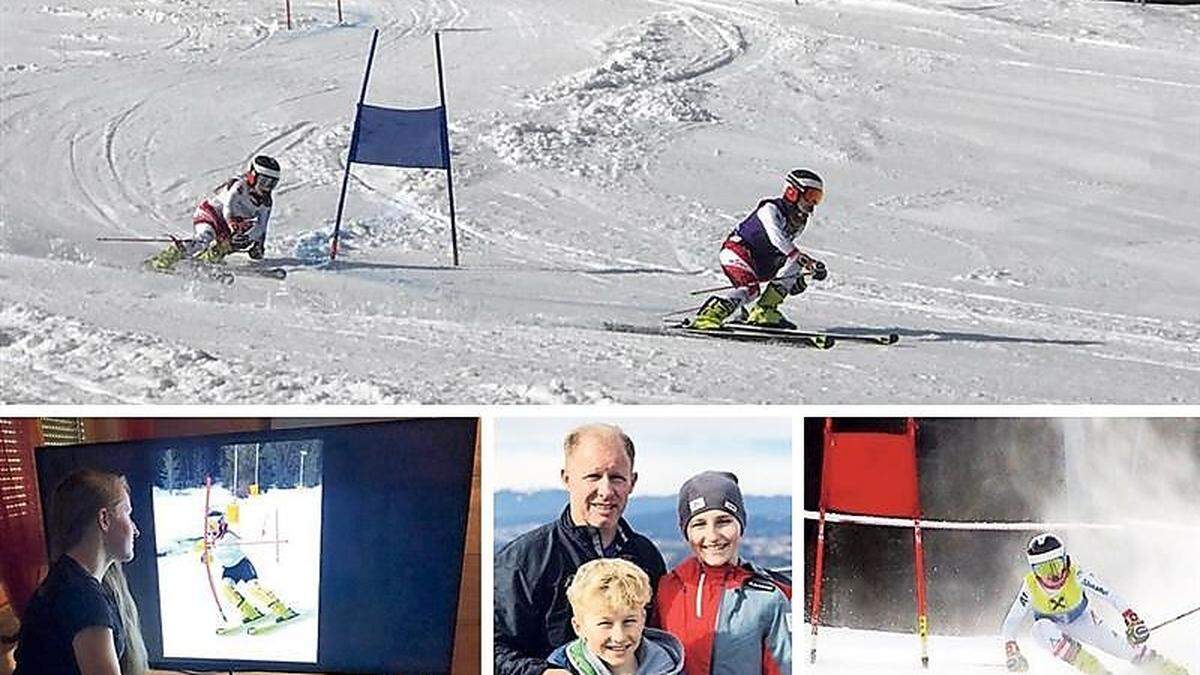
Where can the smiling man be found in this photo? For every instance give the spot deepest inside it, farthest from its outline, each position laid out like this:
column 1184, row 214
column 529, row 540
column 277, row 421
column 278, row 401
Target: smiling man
column 533, row 572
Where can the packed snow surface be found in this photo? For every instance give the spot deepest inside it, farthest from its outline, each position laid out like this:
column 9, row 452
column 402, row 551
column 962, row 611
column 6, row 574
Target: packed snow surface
column 846, row 651
column 1010, row 187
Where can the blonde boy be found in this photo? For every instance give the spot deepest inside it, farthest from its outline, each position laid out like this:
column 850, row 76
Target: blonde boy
column 608, row 603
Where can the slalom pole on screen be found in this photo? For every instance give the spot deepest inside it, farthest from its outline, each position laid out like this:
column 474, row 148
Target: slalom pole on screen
column 212, row 586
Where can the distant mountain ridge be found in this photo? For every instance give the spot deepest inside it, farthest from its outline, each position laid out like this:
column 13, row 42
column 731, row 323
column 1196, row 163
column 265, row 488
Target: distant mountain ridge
column 770, row 521
column 514, row 508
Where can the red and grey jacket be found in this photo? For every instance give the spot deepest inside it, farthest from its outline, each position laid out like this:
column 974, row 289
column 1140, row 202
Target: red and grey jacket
column 730, row 619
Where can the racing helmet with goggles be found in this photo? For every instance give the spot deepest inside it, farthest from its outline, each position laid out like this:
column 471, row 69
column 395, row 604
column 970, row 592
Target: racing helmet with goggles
column 804, row 189
column 1048, row 559
column 263, row 173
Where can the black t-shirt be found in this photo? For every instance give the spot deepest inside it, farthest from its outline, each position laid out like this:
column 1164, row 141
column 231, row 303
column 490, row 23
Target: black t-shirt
column 67, row 602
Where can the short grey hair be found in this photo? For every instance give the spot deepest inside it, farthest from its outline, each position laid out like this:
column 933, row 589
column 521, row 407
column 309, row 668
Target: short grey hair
column 597, row 429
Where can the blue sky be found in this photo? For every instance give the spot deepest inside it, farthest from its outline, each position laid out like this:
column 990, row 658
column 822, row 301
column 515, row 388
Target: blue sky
column 670, row 449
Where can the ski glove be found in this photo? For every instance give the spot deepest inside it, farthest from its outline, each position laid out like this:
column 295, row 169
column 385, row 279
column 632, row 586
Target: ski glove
column 1014, row 661
column 819, row 272
column 1135, row 629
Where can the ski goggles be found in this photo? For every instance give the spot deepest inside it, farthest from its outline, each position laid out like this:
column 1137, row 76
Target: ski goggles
column 1052, row 570
column 810, row 195
column 266, row 183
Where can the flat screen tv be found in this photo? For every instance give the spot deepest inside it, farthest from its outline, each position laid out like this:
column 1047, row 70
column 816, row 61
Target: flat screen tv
column 323, row 549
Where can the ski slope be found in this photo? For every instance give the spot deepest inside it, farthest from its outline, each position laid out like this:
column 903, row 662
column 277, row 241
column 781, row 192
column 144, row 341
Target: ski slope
column 1010, row 187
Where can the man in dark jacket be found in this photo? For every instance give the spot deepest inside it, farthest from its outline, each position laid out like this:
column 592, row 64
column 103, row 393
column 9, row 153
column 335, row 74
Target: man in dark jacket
column 532, row 613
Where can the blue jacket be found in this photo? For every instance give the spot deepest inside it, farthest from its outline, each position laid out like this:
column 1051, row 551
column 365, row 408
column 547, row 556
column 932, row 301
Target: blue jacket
column 532, row 614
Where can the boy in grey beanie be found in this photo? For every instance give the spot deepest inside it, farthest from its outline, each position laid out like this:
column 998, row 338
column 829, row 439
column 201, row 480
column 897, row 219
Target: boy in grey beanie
column 711, row 490
column 733, row 617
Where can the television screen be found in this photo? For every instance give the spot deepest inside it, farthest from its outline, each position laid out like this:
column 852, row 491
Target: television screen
column 320, row 549
column 238, row 545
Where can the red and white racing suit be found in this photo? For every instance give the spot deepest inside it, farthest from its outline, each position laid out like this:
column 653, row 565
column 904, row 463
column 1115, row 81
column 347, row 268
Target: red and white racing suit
column 234, row 215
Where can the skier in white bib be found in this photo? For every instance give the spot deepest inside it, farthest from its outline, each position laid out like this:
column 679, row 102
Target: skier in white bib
column 239, row 580
column 233, row 218
column 1057, row 593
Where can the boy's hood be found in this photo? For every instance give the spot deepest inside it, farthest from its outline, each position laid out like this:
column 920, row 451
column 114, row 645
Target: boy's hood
column 659, row 654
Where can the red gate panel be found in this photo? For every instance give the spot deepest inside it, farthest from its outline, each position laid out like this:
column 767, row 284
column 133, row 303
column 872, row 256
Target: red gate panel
column 871, row 473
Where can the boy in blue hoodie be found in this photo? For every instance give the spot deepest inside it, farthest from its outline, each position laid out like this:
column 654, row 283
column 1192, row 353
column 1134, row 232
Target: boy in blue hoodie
column 608, row 600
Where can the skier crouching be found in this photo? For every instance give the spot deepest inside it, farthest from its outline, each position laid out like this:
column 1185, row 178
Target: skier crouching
column 239, row 580
column 233, row 218
column 1057, row 593
column 762, row 248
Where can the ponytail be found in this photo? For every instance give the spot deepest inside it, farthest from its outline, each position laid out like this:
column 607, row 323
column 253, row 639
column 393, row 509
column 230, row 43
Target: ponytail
column 133, row 661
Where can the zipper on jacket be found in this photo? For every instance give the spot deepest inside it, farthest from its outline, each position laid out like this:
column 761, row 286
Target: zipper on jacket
column 700, row 597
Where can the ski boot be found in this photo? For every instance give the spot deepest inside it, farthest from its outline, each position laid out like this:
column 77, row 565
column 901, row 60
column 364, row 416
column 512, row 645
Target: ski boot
column 249, row 612
column 265, row 597
column 714, row 313
column 164, row 260
column 1083, row 660
column 765, row 311
column 215, row 253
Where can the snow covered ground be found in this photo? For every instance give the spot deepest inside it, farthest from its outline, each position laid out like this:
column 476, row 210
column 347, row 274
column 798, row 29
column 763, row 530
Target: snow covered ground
column 189, row 617
column 1011, row 187
column 842, row 651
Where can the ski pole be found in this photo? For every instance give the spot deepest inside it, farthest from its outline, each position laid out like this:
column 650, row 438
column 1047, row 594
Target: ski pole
column 685, row 310
column 148, row 240
column 1187, row 613
column 727, row 287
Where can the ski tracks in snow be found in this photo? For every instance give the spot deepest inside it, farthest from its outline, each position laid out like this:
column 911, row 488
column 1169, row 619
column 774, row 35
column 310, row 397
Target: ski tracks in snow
column 611, row 119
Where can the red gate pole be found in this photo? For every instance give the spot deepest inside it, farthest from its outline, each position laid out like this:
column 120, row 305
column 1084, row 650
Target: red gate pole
column 814, row 617
column 212, row 586
column 919, row 570
column 910, row 429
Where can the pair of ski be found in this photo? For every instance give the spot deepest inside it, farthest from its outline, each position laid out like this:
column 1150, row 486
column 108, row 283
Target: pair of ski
column 219, row 273
column 225, row 275
column 258, row 626
column 754, row 333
